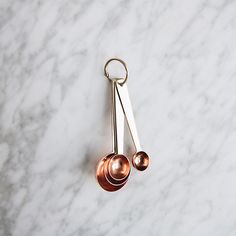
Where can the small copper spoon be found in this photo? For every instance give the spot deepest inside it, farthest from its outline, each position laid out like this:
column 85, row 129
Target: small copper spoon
column 140, row 159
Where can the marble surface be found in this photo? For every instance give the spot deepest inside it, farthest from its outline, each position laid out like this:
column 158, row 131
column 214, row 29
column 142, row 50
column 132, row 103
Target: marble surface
column 55, row 117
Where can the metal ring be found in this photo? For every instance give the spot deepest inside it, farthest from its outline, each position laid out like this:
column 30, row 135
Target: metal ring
column 118, row 80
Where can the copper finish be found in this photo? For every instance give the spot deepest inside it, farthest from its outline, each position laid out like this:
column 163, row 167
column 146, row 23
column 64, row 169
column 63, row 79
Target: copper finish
column 110, row 177
column 140, row 160
column 103, row 177
column 119, row 167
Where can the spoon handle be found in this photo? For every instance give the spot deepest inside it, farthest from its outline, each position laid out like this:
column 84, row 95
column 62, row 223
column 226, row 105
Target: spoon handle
column 123, row 94
column 118, row 122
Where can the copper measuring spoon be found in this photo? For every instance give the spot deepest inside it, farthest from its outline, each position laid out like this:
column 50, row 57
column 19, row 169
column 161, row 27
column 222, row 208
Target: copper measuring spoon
column 113, row 170
column 140, row 159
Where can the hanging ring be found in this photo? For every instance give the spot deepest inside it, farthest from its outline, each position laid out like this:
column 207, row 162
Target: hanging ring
column 120, row 81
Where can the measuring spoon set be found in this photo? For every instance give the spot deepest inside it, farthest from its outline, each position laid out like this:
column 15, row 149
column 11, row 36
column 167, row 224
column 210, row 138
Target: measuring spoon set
column 113, row 170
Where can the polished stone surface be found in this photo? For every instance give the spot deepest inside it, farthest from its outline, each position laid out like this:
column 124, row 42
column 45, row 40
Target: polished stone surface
column 55, row 117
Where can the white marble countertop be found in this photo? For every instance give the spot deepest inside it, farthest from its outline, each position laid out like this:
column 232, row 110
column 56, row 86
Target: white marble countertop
column 55, row 117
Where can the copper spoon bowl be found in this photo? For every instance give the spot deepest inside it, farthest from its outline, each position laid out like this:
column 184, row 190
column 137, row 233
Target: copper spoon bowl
column 113, row 172
column 117, row 169
column 140, row 160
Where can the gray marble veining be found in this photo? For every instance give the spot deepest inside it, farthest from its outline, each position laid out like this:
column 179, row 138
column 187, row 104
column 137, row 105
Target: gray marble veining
column 55, row 116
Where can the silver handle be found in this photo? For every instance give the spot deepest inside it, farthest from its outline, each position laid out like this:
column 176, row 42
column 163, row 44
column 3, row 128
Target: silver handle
column 123, row 94
column 118, row 122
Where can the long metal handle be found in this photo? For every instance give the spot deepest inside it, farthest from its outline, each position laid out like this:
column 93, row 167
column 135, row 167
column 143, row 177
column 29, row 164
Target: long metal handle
column 118, row 122
column 123, row 94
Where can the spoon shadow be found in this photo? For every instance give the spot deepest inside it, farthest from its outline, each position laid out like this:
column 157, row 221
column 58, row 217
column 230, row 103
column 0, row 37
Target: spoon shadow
column 100, row 144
